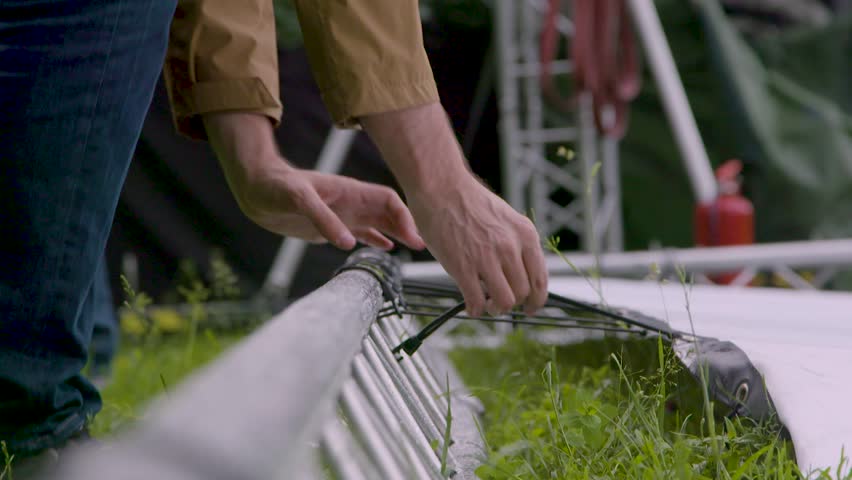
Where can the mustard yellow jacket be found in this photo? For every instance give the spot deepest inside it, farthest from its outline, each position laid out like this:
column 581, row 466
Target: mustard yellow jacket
column 367, row 57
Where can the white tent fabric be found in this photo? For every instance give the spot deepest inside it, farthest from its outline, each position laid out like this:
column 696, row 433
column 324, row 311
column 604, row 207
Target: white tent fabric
column 801, row 341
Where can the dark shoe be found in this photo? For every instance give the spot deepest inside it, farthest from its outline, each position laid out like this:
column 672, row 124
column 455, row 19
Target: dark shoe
column 41, row 464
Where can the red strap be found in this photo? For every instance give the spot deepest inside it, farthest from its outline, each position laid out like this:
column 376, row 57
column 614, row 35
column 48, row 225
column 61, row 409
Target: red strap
column 606, row 60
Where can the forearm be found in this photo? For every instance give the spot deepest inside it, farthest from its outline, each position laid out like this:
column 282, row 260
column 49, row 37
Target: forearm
column 420, row 148
column 491, row 251
column 244, row 143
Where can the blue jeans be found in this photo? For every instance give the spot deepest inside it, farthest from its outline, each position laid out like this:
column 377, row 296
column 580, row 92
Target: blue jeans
column 76, row 79
column 105, row 331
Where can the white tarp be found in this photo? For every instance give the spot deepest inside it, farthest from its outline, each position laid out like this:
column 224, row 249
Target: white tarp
column 801, row 341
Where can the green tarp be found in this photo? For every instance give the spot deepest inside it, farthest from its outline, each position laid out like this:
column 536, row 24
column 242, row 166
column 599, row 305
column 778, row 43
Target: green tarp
column 780, row 102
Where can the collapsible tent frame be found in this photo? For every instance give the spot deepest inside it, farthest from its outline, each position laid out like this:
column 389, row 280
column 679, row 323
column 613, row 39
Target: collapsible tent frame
column 334, row 383
column 320, row 380
column 315, row 388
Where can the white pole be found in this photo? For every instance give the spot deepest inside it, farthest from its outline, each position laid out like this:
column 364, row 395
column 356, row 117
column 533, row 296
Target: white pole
column 680, row 116
column 804, row 254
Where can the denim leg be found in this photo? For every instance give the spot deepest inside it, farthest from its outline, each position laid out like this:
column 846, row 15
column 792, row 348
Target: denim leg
column 76, row 79
column 105, row 332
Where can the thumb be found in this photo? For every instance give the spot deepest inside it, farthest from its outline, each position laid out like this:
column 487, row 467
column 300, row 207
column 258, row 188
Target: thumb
column 329, row 225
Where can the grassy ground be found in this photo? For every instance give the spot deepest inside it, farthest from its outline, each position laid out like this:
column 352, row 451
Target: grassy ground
column 604, row 409
column 600, row 410
column 147, row 366
column 161, row 347
column 610, row 410
column 144, row 370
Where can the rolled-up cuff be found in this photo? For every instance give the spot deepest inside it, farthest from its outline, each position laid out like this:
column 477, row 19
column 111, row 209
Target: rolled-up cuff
column 347, row 105
column 244, row 95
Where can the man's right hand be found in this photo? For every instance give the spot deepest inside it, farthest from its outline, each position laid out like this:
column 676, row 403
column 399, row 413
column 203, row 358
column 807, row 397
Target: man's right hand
column 485, row 245
column 493, row 252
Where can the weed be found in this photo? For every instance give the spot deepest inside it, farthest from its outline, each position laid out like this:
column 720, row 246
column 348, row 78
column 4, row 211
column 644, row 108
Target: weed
column 224, row 284
column 6, row 473
column 580, row 411
column 552, row 244
column 163, row 382
column 140, row 373
column 445, row 449
column 170, row 347
column 195, row 296
column 687, row 283
column 136, row 303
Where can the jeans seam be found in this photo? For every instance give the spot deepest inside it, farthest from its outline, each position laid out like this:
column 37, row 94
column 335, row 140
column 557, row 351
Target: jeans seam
column 103, row 76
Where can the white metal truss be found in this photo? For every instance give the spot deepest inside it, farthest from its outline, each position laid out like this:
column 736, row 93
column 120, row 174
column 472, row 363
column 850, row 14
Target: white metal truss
column 578, row 194
column 784, row 263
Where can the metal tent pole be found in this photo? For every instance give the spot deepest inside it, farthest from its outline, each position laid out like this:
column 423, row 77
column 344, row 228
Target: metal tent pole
column 674, row 99
column 770, row 256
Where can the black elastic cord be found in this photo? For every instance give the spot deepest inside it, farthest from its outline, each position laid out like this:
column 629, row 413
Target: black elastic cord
column 540, row 322
column 411, row 344
column 611, row 321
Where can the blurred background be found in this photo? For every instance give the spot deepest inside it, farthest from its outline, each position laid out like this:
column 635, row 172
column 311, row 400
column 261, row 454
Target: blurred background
column 769, row 83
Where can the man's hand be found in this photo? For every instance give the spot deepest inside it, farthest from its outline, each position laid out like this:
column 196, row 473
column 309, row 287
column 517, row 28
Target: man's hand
column 487, row 247
column 301, row 203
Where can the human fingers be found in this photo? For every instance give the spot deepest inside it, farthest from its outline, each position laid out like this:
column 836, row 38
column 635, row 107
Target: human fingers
column 516, row 274
column 374, row 238
column 500, row 296
column 327, row 223
column 471, row 290
column 533, row 258
column 397, row 220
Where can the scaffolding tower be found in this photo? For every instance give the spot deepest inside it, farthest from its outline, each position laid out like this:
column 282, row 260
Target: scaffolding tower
column 578, row 194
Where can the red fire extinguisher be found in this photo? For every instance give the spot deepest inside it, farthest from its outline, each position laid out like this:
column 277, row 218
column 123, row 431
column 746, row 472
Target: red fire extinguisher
column 729, row 219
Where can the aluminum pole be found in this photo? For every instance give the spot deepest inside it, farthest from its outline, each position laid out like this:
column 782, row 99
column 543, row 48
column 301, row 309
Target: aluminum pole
column 674, row 99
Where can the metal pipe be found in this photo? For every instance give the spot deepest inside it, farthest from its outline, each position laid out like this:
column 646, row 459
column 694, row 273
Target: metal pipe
column 612, row 191
column 674, row 99
column 416, row 429
column 505, row 26
column 421, row 366
column 353, row 403
column 222, row 423
column 587, row 195
column 404, row 386
column 391, row 419
column 534, row 109
column 414, row 395
column 417, row 382
column 338, row 447
column 808, row 254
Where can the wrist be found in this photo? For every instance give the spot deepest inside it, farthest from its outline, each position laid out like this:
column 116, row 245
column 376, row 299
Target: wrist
column 243, row 142
column 420, row 148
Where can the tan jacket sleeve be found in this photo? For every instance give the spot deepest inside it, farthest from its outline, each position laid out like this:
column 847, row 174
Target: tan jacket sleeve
column 367, row 56
column 222, row 56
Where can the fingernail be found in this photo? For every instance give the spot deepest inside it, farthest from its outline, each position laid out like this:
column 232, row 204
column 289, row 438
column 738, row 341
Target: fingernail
column 347, row 241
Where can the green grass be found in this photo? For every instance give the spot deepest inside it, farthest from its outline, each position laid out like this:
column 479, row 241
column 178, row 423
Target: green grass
column 145, row 369
column 161, row 347
column 584, row 412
